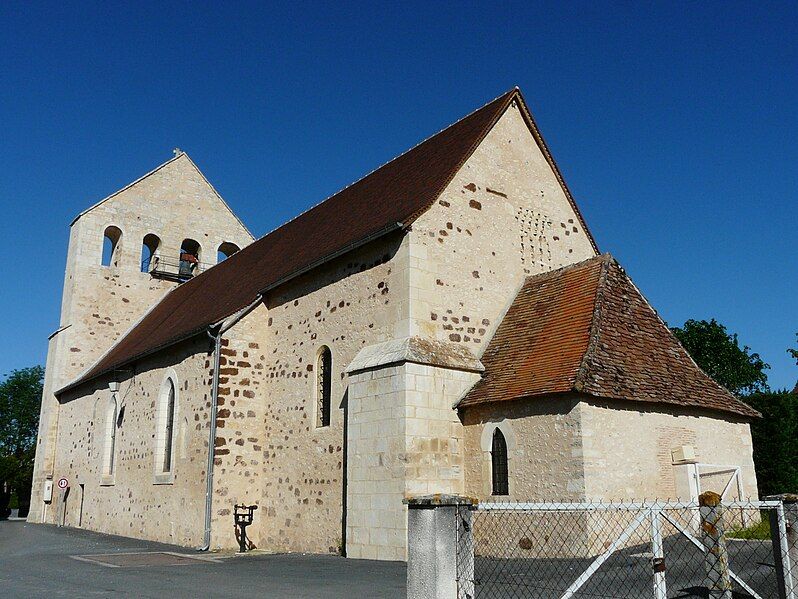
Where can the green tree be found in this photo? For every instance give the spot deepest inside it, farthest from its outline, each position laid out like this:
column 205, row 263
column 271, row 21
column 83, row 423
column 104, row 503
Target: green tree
column 20, row 399
column 775, row 438
column 719, row 354
column 794, row 352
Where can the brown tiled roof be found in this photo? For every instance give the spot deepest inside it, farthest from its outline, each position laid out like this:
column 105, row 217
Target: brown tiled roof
column 390, row 197
column 586, row 328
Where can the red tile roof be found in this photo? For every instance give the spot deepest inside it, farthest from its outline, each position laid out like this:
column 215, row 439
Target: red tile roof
column 390, row 197
column 586, row 328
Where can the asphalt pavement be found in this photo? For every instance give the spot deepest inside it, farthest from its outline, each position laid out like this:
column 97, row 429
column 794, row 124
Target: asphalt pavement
column 45, row 561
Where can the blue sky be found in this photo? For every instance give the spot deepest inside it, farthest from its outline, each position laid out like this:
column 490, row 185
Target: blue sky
column 674, row 124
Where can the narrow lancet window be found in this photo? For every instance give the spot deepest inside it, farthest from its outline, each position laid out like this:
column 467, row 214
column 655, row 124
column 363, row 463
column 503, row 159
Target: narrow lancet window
column 111, row 416
column 499, row 462
column 323, row 387
column 169, row 428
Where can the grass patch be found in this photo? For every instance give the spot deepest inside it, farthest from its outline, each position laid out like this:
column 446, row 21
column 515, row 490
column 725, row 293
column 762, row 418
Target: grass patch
column 759, row 531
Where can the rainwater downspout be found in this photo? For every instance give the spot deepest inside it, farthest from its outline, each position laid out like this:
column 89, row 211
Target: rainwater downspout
column 224, row 326
column 217, row 339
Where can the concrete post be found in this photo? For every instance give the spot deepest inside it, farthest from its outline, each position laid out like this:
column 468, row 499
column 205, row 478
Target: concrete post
column 434, row 523
column 716, row 558
column 784, row 536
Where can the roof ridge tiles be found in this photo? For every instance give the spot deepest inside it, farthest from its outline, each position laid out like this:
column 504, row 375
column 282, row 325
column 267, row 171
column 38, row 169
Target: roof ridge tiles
column 595, row 328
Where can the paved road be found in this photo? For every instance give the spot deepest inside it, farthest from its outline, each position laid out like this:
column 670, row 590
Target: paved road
column 35, row 562
column 627, row 574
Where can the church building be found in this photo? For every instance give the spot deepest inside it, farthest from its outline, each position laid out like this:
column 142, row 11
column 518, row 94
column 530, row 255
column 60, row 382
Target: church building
column 446, row 324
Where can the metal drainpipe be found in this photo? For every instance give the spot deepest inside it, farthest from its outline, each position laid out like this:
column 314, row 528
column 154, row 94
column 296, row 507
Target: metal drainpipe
column 217, row 339
column 217, row 346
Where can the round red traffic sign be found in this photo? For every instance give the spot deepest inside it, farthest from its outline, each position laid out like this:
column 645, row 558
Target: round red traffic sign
column 63, row 483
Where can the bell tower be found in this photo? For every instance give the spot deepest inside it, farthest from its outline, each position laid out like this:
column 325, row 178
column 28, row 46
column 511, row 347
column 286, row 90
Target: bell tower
column 125, row 253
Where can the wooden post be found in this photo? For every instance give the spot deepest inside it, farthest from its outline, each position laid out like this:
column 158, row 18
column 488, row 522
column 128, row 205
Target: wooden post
column 716, row 558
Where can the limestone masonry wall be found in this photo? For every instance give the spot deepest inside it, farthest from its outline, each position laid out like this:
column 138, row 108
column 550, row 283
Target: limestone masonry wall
column 100, row 303
column 133, row 502
column 376, row 517
column 504, row 216
column 347, row 304
column 240, row 436
column 627, row 450
column 577, row 448
column 404, row 439
column 544, row 448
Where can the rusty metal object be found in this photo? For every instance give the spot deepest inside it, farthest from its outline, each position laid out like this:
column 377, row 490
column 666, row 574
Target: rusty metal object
column 658, row 564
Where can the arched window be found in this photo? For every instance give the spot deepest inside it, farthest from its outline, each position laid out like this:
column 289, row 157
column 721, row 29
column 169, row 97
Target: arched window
column 109, row 450
column 190, row 252
column 111, row 239
column 498, row 454
column 169, row 436
column 226, row 250
column 149, row 252
column 323, row 386
column 166, row 427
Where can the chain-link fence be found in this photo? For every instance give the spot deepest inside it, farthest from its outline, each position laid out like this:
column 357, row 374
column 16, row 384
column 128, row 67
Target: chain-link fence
column 628, row 550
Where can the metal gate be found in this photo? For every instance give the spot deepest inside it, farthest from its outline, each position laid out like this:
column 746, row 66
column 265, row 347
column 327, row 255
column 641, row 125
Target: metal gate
column 728, row 482
column 625, row 550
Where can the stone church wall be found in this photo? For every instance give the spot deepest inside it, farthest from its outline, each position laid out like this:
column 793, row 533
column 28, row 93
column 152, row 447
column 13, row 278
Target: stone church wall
column 405, row 440
column 504, row 216
column 350, row 303
column 393, row 430
column 100, row 303
column 134, row 502
column 569, row 449
column 544, row 448
column 376, row 517
column 240, row 436
column 627, row 449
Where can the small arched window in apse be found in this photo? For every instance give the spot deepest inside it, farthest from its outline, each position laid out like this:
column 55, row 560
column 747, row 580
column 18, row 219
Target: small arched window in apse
column 111, row 238
column 149, row 252
column 226, row 250
column 190, row 252
column 323, row 387
column 499, row 470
